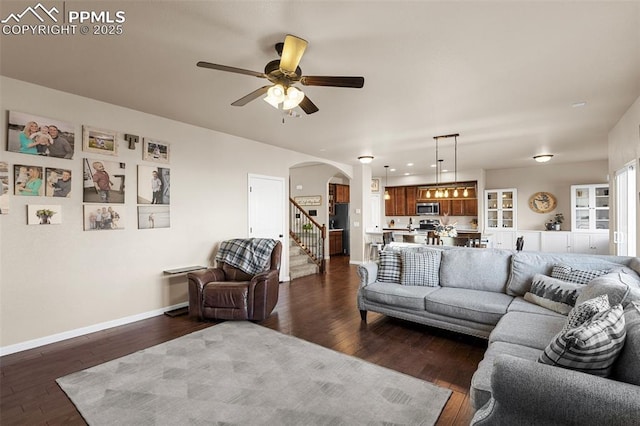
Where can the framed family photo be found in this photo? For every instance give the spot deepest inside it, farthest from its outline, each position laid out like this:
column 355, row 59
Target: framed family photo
column 35, row 135
column 103, row 217
column 57, row 182
column 154, row 184
column 154, row 150
column 28, row 180
column 103, row 181
column 99, row 141
column 153, row 217
column 4, row 192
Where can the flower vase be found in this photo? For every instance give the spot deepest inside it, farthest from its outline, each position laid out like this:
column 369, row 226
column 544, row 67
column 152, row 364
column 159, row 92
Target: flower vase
column 45, row 219
column 447, row 241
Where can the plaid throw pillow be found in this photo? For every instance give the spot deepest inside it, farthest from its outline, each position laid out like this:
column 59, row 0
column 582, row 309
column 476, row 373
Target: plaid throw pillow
column 592, row 347
column 420, row 268
column 567, row 273
column 585, row 311
column 390, row 267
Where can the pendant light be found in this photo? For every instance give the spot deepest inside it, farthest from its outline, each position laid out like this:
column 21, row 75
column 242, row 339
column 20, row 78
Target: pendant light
column 455, row 164
column 387, row 196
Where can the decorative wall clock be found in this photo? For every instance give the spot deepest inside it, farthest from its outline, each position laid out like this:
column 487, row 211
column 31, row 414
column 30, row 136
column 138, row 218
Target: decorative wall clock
column 542, row 202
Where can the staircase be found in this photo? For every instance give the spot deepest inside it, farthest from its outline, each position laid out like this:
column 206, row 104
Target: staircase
column 306, row 243
column 300, row 265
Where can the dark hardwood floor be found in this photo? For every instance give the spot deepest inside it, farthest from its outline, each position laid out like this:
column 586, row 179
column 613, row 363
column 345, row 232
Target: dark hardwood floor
column 320, row 309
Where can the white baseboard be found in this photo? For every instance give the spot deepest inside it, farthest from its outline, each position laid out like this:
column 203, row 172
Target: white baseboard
column 30, row 344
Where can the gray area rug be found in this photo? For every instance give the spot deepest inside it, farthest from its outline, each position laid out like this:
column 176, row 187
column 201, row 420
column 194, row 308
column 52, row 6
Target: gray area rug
column 242, row 373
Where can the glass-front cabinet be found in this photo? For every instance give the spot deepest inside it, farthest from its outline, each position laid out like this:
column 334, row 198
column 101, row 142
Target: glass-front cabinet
column 590, row 208
column 500, row 209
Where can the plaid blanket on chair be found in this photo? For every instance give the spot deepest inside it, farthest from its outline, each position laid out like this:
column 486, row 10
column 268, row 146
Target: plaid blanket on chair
column 250, row 255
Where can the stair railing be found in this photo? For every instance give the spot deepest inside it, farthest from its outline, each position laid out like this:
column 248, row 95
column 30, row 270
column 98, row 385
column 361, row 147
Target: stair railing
column 307, row 233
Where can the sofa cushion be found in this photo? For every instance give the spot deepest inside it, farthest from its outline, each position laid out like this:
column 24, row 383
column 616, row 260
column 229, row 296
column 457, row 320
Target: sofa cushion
column 635, row 264
column 420, row 268
column 524, row 265
column 592, row 347
column 557, row 295
column 627, row 366
column 585, row 311
column 481, row 380
column 390, row 267
column 521, row 305
column 410, row 297
column 486, row 269
column 485, row 307
column 523, row 328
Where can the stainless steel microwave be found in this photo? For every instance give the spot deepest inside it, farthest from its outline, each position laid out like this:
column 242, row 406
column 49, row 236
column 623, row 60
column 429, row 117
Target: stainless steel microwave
column 425, row 209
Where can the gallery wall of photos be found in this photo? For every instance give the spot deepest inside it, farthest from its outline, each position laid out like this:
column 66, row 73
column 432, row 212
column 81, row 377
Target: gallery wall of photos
column 104, row 181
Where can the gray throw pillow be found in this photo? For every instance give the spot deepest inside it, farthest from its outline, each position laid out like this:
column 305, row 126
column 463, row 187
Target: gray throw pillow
column 551, row 293
column 611, row 284
column 565, row 272
column 592, row 347
column 420, row 268
column 390, row 267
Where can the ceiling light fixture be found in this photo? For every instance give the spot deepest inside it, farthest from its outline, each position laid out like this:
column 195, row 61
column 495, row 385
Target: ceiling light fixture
column 365, row 159
column 543, row 158
column 387, row 196
column 439, row 169
column 280, row 97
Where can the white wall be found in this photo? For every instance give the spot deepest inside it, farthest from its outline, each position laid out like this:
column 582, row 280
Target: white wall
column 624, row 146
column 57, row 279
column 549, row 177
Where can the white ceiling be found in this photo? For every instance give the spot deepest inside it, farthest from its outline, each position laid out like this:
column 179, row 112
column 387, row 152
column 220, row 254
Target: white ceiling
column 502, row 74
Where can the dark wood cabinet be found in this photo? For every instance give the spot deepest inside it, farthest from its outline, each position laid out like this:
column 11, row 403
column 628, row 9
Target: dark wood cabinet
column 411, row 193
column 335, row 243
column 396, row 205
column 445, row 207
column 342, row 193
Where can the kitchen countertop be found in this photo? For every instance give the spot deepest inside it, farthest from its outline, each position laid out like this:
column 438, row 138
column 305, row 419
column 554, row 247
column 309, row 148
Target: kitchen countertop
column 336, row 229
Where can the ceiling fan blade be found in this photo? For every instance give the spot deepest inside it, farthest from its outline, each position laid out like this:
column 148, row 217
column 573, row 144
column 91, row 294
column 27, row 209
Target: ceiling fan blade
column 292, row 52
column 355, row 82
column 308, row 106
column 251, row 96
column 218, row 67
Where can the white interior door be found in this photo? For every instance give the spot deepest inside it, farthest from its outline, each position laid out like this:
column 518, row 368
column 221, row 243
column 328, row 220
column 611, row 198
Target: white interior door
column 267, row 212
column 375, row 218
column 624, row 235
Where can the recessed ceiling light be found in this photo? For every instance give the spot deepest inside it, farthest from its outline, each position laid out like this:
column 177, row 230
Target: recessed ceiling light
column 444, row 170
column 409, row 164
column 433, row 165
column 407, row 174
column 392, row 170
column 578, row 104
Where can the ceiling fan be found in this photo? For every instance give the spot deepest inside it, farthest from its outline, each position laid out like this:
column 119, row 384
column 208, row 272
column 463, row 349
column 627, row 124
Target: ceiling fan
column 283, row 73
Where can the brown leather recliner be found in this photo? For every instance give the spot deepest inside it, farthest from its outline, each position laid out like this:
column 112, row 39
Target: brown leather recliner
column 227, row 293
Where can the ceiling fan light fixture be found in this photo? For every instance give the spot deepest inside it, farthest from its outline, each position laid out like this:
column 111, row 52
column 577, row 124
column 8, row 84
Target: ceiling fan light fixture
column 275, row 95
column 293, row 98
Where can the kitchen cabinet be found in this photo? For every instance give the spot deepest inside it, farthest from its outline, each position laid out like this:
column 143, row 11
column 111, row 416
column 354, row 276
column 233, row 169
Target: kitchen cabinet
column 465, row 207
column 500, row 209
column 335, row 242
column 503, row 240
column 396, row 205
column 590, row 208
column 555, row 242
column 411, row 194
column 445, row 207
column 597, row 243
column 531, row 240
column 342, row 193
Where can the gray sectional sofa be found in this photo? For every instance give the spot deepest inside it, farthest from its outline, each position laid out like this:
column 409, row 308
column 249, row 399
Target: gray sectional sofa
column 481, row 292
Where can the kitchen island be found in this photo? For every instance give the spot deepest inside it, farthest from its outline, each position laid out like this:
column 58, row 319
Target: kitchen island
column 465, row 237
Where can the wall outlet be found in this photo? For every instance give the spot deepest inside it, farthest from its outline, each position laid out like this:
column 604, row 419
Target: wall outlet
column 356, row 224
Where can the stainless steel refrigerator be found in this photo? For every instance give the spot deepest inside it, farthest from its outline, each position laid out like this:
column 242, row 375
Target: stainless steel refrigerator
column 341, row 221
